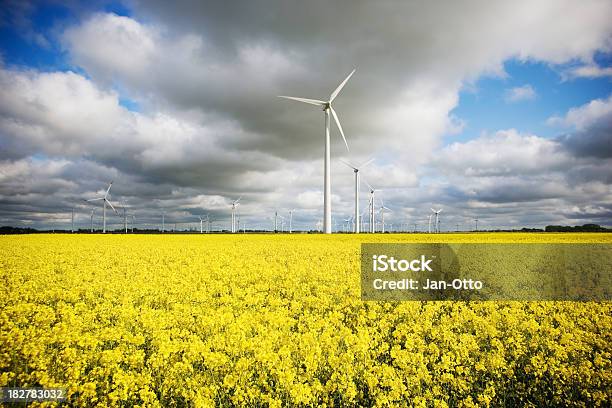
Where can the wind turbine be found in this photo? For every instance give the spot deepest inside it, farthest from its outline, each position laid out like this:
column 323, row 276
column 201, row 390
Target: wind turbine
column 361, row 216
column 382, row 214
column 201, row 224
column 347, row 224
column 72, row 224
column 275, row 221
column 104, row 198
column 437, row 224
column 371, row 208
column 429, row 224
column 125, row 223
column 476, row 220
column 356, row 171
column 282, row 223
column 163, row 222
column 92, row 214
column 327, row 108
column 291, row 221
column 234, row 205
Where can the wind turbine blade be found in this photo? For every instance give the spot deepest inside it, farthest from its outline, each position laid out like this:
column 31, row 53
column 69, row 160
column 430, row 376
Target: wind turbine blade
column 366, row 163
column 95, row 199
column 432, row 210
column 305, row 100
column 339, row 127
column 440, row 210
column 348, row 164
column 111, row 206
column 108, row 189
column 367, row 184
column 339, row 88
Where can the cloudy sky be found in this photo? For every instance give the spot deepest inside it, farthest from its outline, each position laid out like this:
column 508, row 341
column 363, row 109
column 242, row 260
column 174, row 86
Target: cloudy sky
column 495, row 110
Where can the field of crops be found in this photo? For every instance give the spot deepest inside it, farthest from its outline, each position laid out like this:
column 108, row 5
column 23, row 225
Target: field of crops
column 264, row 320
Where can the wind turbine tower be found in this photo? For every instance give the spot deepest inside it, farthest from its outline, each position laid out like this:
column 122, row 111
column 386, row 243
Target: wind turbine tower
column 275, row 221
column 382, row 214
column 356, row 171
column 234, row 205
column 327, row 109
column 201, row 224
column 372, row 220
column 291, row 221
column 437, row 222
column 105, row 200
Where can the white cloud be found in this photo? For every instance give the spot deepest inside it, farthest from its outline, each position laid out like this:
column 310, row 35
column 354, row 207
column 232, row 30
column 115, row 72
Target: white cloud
column 506, row 152
column 589, row 71
column 585, row 115
column 520, row 93
column 113, row 47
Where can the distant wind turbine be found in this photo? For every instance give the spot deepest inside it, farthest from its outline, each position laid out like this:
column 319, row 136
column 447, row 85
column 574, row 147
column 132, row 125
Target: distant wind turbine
column 235, row 203
column 201, row 224
column 356, row 171
column 291, row 220
column 327, row 108
column 105, row 200
column 437, row 223
column 275, row 221
column 371, row 208
column 92, row 214
column 382, row 214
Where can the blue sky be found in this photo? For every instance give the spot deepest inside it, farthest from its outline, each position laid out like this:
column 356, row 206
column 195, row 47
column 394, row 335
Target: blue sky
column 485, row 108
column 183, row 100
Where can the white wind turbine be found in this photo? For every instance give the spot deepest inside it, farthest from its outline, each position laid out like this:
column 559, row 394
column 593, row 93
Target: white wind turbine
column 291, row 220
column 371, row 208
column 361, row 216
column 235, row 204
column 125, row 215
column 327, row 108
column 347, row 224
column 382, row 214
column 275, row 221
column 437, row 223
column 356, row 171
column 201, row 224
column 106, row 201
column 282, row 223
column 92, row 214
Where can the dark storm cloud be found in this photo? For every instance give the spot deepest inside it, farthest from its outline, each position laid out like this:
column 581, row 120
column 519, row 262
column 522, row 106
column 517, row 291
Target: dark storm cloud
column 594, row 141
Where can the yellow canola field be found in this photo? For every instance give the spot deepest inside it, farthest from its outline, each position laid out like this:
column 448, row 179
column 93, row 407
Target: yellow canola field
column 277, row 320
